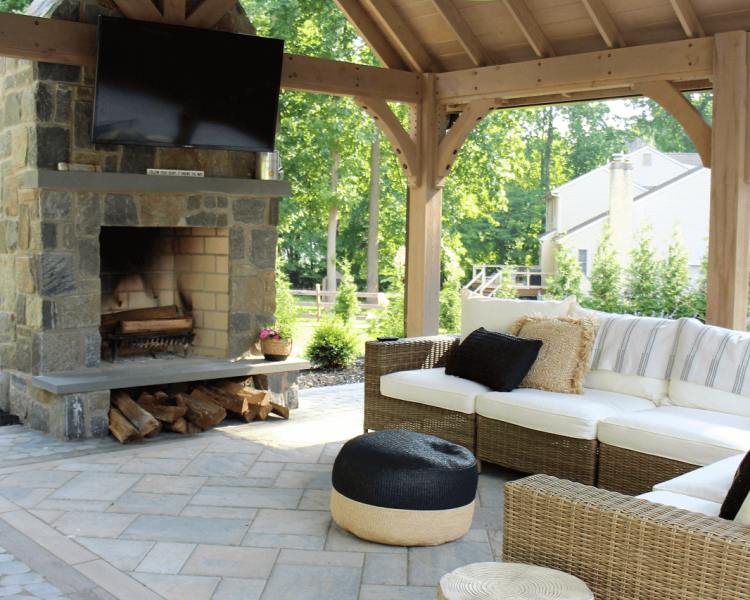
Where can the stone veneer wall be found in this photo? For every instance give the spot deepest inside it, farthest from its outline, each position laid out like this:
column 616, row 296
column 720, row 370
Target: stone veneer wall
column 50, row 291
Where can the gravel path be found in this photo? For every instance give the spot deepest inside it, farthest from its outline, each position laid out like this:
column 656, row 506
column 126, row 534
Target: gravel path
column 312, row 378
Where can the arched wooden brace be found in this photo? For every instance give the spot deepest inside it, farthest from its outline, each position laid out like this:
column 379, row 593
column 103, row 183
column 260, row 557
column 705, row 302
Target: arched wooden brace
column 666, row 95
column 403, row 145
column 449, row 146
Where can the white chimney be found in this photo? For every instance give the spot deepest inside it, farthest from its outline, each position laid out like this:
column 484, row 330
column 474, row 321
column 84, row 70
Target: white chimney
column 621, row 206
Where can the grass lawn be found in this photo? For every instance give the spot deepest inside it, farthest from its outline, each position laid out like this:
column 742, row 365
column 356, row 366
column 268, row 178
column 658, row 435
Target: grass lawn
column 305, row 331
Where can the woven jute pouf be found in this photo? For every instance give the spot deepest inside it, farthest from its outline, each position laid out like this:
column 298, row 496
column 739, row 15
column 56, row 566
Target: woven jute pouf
column 511, row 581
column 404, row 489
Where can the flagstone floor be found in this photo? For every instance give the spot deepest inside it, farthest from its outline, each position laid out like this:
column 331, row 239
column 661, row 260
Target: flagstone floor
column 238, row 512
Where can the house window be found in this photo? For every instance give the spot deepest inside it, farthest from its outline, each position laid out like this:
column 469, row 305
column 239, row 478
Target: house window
column 583, row 260
column 646, row 160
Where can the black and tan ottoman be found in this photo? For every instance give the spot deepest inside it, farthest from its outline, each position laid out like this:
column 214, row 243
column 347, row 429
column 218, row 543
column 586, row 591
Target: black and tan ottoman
column 404, row 489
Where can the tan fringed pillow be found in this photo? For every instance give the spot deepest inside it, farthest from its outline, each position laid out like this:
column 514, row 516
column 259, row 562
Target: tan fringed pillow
column 563, row 360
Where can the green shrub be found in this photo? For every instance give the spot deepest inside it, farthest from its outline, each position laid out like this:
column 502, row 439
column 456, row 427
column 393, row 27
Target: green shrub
column 389, row 320
column 334, row 343
column 450, row 299
column 346, row 305
column 287, row 307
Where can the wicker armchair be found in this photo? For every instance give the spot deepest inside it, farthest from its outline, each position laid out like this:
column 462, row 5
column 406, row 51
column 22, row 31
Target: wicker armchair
column 382, row 412
column 625, row 548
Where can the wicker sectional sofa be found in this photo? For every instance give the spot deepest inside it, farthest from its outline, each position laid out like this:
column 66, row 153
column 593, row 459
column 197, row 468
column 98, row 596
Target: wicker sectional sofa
column 625, row 433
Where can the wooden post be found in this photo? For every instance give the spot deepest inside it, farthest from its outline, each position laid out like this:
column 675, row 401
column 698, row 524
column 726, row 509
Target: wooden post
column 423, row 218
column 729, row 226
column 317, row 298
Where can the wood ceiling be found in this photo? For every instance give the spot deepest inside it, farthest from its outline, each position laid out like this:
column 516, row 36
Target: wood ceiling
column 450, row 35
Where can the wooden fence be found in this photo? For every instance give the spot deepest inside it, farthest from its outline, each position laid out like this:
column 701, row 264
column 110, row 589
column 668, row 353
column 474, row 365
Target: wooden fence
column 318, row 305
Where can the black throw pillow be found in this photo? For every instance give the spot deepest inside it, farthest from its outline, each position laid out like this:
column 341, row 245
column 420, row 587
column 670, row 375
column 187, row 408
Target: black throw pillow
column 738, row 492
column 497, row 360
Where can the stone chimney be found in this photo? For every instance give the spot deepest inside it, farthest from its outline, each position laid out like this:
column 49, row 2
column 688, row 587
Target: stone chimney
column 621, row 206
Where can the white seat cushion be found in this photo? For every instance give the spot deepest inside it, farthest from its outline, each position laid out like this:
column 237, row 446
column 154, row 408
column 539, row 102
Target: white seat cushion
column 433, row 388
column 709, row 483
column 561, row 414
column 690, row 435
column 691, row 503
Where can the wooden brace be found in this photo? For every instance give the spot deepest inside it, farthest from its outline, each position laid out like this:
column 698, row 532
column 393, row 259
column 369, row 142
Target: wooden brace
column 457, row 135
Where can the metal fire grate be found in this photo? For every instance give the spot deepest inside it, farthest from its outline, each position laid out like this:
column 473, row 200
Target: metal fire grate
column 117, row 342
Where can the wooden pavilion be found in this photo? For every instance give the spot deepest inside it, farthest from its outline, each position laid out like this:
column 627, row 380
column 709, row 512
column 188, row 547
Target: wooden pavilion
column 473, row 57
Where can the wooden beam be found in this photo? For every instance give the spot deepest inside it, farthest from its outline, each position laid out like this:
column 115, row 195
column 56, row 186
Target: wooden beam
column 207, row 13
column 530, row 28
column 174, row 11
column 403, row 145
column 322, row 76
column 671, row 61
column 676, row 104
column 688, row 18
column 729, row 224
column 449, row 146
column 48, row 40
column 604, row 23
column 370, row 33
column 414, row 55
column 141, row 10
column 463, row 32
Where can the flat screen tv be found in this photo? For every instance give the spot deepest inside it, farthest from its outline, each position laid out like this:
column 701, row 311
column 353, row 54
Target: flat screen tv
column 165, row 85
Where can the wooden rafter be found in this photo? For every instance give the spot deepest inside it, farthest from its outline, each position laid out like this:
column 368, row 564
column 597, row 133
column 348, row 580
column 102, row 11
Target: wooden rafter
column 604, row 23
column 463, row 32
column 670, row 61
column 675, row 103
column 530, row 28
column 688, row 18
column 370, row 33
column 174, row 11
column 141, row 10
column 207, row 13
column 414, row 55
column 48, row 40
column 387, row 121
column 459, row 133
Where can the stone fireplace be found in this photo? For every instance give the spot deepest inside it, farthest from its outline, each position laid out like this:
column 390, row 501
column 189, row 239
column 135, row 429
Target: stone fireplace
column 77, row 244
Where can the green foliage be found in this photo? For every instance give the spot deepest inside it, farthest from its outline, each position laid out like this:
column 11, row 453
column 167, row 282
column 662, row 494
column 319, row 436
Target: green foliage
column 450, row 295
column 696, row 300
column 606, row 276
column 346, row 305
column 643, row 292
column 14, row 6
column 567, row 281
column 675, row 286
column 389, row 320
column 334, row 343
column 507, row 288
column 287, row 307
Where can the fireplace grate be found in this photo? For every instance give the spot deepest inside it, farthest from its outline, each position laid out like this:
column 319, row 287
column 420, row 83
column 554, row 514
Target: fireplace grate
column 117, row 342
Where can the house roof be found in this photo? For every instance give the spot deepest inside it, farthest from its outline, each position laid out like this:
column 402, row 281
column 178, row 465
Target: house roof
column 687, row 158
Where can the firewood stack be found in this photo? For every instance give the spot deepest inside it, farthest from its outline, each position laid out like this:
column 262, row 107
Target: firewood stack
column 204, row 407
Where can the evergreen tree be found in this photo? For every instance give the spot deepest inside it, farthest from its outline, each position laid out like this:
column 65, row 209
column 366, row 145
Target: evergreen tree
column 696, row 299
column 567, row 280
column 676, row 278
column 346, row 305
column 643, row 293
column 606, row 276
column 507, row 288
column 389, row 320
column 287, row 308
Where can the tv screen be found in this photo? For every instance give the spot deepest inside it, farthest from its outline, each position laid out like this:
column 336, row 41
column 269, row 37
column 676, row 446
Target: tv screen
column 165, row 85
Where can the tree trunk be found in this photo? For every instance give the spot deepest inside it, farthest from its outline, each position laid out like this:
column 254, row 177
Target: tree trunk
column 372, row 231
column 333, row 223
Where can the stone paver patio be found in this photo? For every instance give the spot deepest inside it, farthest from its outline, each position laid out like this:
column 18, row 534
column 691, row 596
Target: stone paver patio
column 238, row 512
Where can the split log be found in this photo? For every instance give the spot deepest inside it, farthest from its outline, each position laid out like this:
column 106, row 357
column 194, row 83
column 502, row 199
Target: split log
column 109, row 321
column 123, row 429
column 161, row 398
column 231, row 387
column 165, row 414
column 204, row 414
column 147, row 425
column 156, row 325
column 191, row 428
column 254, row 396
column 282, row 411
column 179, row 426
column 232, row 402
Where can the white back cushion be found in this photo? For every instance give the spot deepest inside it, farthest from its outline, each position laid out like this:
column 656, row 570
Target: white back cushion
column 498, row 314
column 650, row 388
column 709, row 483
column 694, row 395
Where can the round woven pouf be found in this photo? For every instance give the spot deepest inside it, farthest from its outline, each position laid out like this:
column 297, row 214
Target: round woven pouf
column 404, row 489
column 511, row 581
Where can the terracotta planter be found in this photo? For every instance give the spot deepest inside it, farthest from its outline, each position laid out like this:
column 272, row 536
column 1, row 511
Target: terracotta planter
column 276, row 349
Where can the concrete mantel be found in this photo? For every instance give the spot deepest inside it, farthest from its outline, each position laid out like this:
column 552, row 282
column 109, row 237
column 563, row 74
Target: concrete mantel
column 160, row 184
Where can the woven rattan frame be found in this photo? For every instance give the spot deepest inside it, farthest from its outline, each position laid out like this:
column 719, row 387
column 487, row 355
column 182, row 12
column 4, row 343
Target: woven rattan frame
column 382, row 412
column 532, row 451
column 634, row 473
column 625, row 548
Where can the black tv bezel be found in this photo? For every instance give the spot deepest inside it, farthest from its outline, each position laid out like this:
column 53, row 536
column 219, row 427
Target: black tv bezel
column 207, row 32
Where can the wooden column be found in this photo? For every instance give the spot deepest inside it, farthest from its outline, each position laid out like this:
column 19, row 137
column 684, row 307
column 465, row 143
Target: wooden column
column 729, row 227
column 423, row 217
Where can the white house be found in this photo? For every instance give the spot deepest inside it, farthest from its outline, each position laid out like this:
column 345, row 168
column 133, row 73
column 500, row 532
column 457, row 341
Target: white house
column 645, row 186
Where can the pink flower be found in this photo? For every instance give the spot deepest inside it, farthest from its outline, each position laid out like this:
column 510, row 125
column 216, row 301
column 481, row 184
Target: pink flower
column 264, row 334
column 276, row 337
